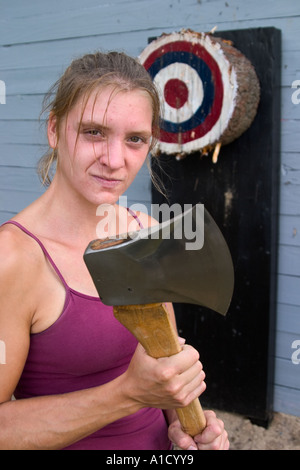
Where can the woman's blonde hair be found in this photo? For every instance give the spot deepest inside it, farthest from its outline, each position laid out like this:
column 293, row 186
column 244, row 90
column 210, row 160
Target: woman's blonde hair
column 81, row 79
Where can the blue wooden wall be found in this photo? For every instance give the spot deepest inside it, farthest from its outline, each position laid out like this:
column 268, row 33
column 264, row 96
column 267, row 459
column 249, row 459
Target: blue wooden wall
column 38, row 39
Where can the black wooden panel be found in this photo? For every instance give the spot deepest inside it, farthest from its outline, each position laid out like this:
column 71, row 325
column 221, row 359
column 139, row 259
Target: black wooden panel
column 241, row 193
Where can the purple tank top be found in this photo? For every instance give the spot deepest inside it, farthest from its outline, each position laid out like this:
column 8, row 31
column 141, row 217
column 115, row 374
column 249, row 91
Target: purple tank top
column 87, row 347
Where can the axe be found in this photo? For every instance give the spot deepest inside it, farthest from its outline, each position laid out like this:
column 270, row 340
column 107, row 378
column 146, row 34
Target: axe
column 139, row 271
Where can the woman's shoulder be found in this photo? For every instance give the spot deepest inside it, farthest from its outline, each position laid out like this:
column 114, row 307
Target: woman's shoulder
column 18, row 252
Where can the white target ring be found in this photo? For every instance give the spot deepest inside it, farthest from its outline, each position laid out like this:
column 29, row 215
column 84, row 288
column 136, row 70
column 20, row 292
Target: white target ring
column 192, row 99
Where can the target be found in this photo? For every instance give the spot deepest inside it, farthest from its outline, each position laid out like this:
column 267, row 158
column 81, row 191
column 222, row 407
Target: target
column 198, row 86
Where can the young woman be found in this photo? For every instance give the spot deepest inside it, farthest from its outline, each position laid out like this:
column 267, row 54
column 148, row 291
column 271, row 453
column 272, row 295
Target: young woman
column 80, row 379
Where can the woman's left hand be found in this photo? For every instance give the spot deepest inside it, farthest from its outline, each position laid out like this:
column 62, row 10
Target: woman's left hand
column 213, row 437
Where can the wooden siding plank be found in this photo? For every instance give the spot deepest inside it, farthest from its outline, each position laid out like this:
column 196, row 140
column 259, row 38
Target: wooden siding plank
column 95, row 20
column 21, row 107
column 289, row 260
column 289, row 199
column 45, row 24
column 287, row 374
column 21, row 132
column 290, row 67
column 290, row 135
column 14, row 201
column 288, row 290
column 34, row 8
column 288, row 318
column 21, row 179
column 289, row 228
column 21, row 155
column 62, row 52
column 290, row 168
column 287, row 400
column 30, row 80
column 254, row 8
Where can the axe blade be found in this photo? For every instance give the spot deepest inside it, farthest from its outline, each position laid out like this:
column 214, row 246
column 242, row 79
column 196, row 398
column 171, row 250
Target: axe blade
column 163, row 264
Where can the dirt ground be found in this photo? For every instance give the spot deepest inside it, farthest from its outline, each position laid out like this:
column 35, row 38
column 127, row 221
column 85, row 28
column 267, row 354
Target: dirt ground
column 282, row 434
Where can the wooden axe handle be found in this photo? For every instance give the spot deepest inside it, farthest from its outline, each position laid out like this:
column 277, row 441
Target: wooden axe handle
column 151, row 325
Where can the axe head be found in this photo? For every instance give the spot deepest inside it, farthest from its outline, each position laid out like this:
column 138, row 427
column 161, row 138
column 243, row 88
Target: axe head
column 184, row 260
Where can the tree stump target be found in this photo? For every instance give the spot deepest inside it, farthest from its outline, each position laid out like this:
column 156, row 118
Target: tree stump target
column 209, row 91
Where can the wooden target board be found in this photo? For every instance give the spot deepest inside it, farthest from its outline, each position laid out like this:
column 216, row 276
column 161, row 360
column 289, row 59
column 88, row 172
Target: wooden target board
column 209, row 90
column 241, row 192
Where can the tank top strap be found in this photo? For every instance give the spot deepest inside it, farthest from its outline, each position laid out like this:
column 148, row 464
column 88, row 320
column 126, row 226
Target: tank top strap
column 17, row 224
column 133, row 214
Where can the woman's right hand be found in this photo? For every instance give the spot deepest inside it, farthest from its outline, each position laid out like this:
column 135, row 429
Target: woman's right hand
column 167, row 382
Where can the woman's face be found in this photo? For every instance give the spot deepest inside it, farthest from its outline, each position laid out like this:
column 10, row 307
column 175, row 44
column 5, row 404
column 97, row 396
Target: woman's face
column 101, row 150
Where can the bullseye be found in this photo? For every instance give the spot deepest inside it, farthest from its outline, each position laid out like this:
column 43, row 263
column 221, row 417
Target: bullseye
column 176, row 93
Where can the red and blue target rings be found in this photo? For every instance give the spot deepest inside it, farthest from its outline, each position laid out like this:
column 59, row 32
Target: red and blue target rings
column 197, row 85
